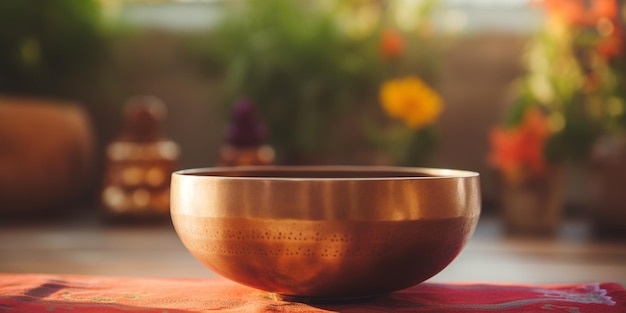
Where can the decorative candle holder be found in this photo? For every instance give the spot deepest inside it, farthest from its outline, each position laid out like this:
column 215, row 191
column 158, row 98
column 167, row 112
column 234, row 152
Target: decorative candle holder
column 139, row 164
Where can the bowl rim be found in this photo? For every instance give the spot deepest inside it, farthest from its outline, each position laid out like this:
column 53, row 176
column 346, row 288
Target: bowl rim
column 433, row 173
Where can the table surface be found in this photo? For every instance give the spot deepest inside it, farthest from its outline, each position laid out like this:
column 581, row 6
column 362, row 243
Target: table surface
column 95, row 248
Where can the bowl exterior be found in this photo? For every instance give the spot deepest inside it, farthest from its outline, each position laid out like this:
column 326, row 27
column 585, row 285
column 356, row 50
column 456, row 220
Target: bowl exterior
column 325, row 238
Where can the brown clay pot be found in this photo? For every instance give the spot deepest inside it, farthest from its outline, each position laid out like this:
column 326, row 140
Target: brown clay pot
column 608, row 186
column 46, row 153
column 535, row 206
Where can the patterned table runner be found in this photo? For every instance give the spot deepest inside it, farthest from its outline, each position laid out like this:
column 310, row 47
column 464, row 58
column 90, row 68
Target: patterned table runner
column 71, row 293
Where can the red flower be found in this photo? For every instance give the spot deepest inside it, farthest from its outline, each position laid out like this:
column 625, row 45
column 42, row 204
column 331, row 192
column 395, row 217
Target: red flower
column 612, row 45
column 391, row 44
column 517, row 150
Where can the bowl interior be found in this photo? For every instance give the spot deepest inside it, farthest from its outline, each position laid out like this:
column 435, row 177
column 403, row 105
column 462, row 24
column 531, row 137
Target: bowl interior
column 328, row 172
column 311, row 173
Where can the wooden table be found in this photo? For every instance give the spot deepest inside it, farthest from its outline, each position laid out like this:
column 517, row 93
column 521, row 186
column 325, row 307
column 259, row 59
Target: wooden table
column 88, row 246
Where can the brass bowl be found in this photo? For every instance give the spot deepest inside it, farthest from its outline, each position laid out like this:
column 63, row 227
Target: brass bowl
column 325, row 233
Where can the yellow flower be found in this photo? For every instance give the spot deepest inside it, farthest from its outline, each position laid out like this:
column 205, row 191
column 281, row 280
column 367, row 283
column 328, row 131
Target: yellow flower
column 411, row 100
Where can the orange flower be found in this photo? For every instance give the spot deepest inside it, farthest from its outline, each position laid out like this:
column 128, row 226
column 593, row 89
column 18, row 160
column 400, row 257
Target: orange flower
column 391, row 44
column 411, row 100
column 605, row 8
column 580, row 12
column 517, row 150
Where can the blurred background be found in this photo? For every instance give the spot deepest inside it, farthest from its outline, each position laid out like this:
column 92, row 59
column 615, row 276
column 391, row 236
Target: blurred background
column 101, row 100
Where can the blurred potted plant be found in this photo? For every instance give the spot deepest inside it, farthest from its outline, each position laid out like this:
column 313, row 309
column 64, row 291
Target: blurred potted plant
column 48, row 53
column 314, row 68
column 555, row 118
column 413, row 106
column 598, row 37
column 532, row 187
column 600, row 31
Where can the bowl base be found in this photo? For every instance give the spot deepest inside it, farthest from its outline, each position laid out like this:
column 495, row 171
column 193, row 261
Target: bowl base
column 325, row 300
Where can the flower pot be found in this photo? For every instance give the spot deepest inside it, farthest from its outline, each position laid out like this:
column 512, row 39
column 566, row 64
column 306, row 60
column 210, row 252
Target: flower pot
column 46, row 150
column 608, row 186
column 534, row 206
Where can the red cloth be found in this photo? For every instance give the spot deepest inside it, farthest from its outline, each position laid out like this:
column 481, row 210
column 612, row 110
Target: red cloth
column 70, row 293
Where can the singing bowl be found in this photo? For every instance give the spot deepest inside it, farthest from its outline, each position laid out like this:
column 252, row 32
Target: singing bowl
column 325, row 233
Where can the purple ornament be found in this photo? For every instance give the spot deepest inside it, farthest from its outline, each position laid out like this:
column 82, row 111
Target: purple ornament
column 246, row 128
